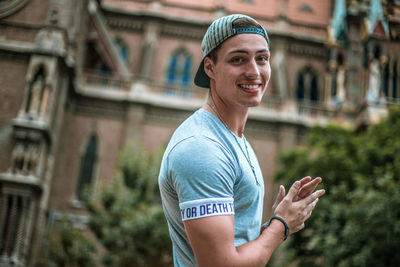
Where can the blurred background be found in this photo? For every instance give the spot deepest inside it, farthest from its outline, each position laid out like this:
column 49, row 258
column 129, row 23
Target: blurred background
column 92, row 90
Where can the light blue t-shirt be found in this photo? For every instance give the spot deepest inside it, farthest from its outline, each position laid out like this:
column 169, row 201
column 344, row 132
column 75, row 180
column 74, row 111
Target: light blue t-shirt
column 205, row 173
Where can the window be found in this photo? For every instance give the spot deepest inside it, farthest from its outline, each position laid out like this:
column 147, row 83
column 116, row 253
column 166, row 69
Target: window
column 306, row 9
column 385, row 80
column 13, row 211
column 307, row 86
column 180, row 68
column 122, row 49
column 88, row 161
column 94, row 61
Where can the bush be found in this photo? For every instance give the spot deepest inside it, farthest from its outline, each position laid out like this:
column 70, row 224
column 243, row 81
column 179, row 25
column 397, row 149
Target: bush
column 357, row 222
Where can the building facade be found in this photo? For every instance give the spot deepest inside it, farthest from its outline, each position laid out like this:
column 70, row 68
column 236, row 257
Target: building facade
column 81, row 78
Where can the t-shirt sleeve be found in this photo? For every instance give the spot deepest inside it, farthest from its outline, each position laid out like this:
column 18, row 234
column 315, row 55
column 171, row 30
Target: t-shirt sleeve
column 203, row 174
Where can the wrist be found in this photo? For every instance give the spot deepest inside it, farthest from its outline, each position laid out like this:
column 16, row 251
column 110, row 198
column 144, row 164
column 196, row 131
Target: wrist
column 278, row 225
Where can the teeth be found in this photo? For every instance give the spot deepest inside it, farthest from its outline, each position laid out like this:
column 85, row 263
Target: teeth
column 250, row 87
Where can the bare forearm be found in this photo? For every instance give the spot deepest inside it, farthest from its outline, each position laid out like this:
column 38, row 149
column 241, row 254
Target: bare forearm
column 257, row 252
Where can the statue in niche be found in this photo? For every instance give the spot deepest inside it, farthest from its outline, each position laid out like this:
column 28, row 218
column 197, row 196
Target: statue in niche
column 35, row 96
column 25, row 158
column 341, row 84
column 32, row 157
column 45, row 100
column 17, row 158
column 38, row 96
column 374, row 82
column 36, row 93
column 278, row 64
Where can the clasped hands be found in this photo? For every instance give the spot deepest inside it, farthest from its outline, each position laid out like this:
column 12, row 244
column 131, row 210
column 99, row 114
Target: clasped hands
column 296, row 207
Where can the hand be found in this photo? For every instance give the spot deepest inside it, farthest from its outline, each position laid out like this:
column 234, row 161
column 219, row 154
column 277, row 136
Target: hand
column 294, row 209
column 306, row 188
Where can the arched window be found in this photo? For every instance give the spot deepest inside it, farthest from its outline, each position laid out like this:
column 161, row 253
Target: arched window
column 300, row 87
column 88, row 161
column 307, row 86
column 122, row 49
column 180, row 68
column 385, row 80
column 314, row 89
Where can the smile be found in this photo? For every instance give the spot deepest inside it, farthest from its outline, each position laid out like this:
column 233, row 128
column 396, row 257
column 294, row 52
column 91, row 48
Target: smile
column 249, row 87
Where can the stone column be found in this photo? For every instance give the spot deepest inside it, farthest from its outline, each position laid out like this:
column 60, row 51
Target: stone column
column 28, row 227
column 134, row 125
column 150, row 45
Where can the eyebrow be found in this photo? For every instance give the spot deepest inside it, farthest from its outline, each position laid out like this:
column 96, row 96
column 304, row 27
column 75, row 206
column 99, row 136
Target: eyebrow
column 246, row 52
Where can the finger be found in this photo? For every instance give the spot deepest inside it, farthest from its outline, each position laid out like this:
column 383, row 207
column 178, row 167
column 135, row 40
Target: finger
column 308, row 188
column 305, row 180
column 308, row 200
column 308, row 210
column 294, row 190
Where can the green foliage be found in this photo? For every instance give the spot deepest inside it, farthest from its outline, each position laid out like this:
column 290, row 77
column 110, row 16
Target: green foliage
column 128, row 218
column 357, row 222
column 68, row 247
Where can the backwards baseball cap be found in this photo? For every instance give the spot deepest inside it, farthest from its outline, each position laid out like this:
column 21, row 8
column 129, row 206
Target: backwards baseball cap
column 218, row 32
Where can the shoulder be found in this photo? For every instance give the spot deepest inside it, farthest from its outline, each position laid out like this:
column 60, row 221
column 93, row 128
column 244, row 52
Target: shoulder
column 199, row 160
column 199, row 148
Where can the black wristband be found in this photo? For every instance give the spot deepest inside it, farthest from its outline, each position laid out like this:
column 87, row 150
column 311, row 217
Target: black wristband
column 282, row 221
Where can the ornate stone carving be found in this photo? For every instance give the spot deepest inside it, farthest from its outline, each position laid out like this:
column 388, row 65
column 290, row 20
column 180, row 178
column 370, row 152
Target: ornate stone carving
column 10, row 7
column 25, row 158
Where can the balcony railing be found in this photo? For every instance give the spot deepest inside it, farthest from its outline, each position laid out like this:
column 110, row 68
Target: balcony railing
column 307, row 110
column 178, row 90
column 105, row 80
column 314, row 109
column 108, row 81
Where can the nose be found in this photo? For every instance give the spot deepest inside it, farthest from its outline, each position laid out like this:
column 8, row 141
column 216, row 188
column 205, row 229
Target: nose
column 252, row 69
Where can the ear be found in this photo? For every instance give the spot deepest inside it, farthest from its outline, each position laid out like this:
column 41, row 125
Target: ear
column 209, row 67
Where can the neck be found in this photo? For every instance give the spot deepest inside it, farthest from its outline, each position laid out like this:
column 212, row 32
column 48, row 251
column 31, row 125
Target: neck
column 233, row 117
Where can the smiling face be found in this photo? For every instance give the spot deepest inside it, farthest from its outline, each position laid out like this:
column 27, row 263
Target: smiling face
column 241, row 73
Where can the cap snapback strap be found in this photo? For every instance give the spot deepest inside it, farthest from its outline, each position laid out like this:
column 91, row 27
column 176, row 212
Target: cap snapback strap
column 256, row 30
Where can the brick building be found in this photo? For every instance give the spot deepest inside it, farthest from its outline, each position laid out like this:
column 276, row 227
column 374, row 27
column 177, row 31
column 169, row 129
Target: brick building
column 80, row 78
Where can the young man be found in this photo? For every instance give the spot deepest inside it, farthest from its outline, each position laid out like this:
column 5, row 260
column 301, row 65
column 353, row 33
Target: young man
column 211, row 184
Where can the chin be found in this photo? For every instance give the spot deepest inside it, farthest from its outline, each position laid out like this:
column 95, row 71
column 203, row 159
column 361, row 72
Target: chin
column 251, row 104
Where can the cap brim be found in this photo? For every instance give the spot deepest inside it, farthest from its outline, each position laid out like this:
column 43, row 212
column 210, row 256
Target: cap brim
column 201, row 79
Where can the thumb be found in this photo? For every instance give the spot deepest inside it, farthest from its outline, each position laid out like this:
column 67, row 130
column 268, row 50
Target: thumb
column 279, row 196
column 294, row 190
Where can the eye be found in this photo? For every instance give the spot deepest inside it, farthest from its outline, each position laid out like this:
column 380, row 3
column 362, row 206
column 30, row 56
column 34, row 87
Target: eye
column 237, row 60
column 263, row 58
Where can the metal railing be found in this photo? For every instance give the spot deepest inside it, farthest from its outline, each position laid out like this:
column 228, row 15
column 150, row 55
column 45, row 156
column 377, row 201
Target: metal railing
column 314, row 109
column 109, row 81
column 105, row 80
column 175, row 90
column 307, row 109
